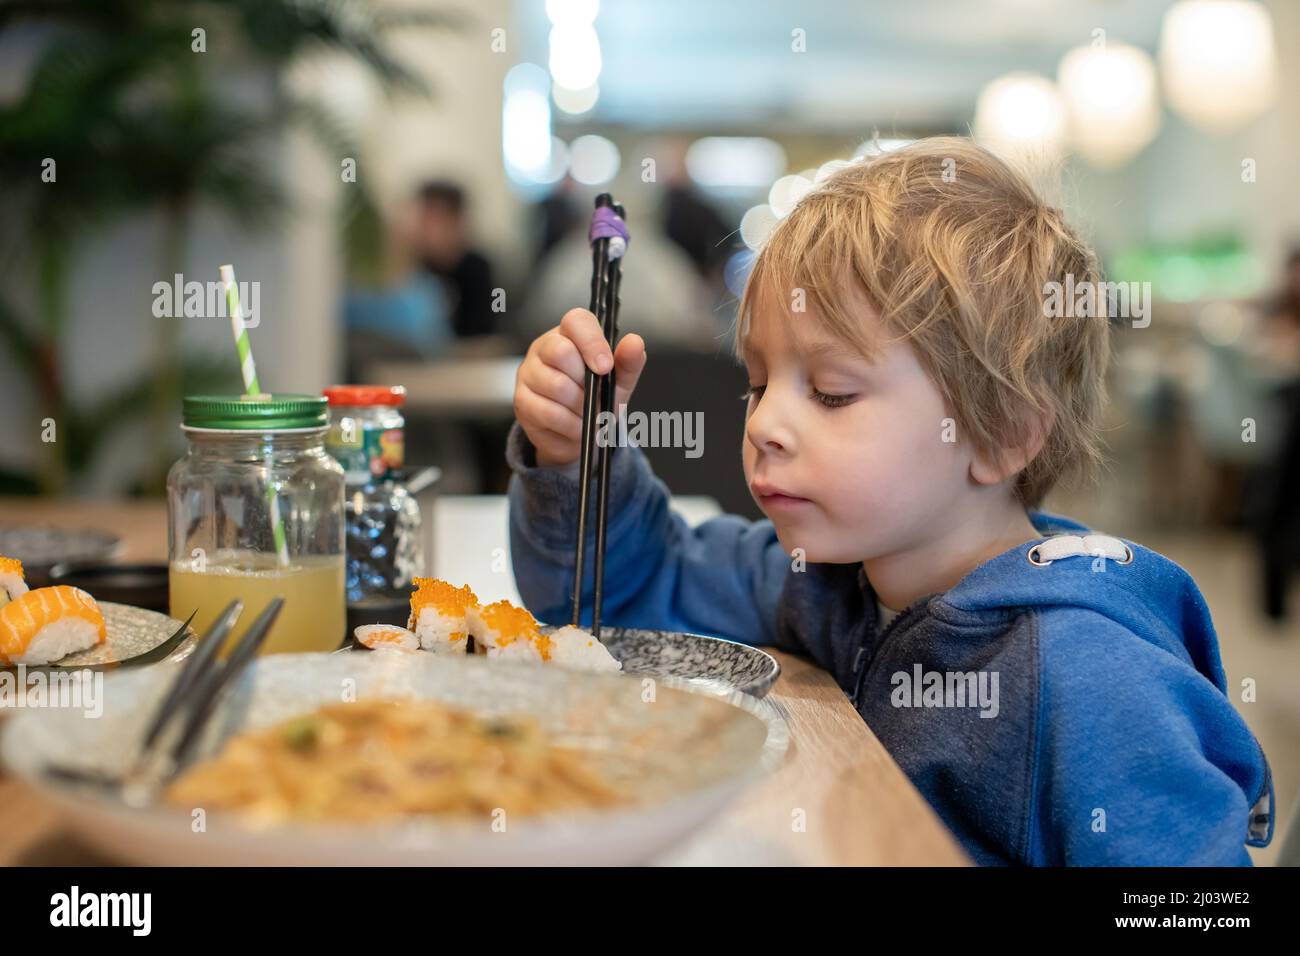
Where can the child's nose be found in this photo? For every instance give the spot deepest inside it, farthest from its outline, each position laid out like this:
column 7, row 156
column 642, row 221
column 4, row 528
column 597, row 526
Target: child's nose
column 767, row 429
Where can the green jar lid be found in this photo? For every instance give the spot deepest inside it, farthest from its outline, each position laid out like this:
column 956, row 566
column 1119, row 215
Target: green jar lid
column 267, row 412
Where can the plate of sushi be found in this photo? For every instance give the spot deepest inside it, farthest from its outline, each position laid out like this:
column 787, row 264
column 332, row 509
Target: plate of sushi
column 450, row 621
column 329, row 759
column 65, row 626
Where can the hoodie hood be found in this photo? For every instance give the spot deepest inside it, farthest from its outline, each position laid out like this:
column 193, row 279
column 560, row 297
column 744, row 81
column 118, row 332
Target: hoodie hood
column 1149, row 596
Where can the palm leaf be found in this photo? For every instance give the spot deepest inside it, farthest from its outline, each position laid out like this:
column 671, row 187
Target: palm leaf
column 21, row 342
column 279, row 30
column 90, row 426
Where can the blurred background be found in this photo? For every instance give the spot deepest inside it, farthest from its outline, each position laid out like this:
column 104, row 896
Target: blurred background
column 408, row 185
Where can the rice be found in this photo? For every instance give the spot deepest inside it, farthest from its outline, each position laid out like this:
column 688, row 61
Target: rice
column 576, row 649
column 59, row 639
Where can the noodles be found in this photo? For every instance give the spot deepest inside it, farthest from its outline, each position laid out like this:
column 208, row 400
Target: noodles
column 393, row 758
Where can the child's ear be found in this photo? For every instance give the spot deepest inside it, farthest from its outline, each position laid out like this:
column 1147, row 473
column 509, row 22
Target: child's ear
column 985, row 470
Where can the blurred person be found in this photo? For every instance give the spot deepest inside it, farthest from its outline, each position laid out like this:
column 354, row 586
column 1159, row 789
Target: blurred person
column 691, row 221
column 415, row 315
column 900, row 435
column 556, row 216
column 409, row 315
column 1279, row 526
column 662, row 296
column 442, row 248
column 408, row 319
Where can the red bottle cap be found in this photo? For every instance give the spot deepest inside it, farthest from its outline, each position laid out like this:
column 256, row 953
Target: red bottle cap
column 356, row 395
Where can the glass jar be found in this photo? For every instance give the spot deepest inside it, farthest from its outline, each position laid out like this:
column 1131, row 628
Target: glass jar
column 383, row 548
column 367, row 430
column 254, row 464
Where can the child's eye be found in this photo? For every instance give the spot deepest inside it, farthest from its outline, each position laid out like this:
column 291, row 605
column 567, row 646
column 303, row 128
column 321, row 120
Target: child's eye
column 754, row 391
column 832, row 401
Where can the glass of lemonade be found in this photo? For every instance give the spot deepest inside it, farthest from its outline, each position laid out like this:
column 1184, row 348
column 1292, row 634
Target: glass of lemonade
column 248, row 461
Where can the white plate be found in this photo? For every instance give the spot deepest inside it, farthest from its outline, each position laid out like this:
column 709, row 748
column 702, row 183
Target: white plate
column 683, row 756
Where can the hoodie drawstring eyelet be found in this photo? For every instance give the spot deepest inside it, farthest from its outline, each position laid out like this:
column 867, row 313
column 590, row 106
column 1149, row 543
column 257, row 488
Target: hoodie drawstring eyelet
column 1072, row 545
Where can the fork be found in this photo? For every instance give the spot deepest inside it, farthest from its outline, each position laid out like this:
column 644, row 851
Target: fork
column 185, row 709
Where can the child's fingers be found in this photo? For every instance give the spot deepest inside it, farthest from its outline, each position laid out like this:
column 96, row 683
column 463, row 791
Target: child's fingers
column 561, row 376
column 630, row 359
column 582, row 329
column 550, row 382
column 556, row 351
column 535, row 412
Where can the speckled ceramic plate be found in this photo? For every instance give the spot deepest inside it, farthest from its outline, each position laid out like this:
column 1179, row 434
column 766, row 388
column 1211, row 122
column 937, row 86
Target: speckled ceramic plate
column 708, row 663
column 678, row 758
column 132, row 633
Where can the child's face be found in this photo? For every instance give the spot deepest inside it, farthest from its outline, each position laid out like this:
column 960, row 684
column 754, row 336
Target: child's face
column 860, row 445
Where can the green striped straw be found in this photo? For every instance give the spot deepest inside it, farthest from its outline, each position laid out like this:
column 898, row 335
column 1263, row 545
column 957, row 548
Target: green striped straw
column 254, row 391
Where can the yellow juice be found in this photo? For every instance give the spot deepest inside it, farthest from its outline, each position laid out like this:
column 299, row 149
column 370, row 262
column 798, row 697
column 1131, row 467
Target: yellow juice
column 314, row 614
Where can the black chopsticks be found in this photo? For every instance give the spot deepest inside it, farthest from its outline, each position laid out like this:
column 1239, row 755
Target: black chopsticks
column 609, row 239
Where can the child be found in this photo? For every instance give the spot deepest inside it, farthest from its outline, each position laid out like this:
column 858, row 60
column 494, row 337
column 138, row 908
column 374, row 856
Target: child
column 913, row 396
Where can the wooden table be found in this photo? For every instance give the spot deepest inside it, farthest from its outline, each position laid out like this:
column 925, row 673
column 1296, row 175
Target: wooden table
column 838, row 799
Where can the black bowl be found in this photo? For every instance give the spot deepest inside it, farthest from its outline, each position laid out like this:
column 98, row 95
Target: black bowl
column 141, row 585
column 41, row 547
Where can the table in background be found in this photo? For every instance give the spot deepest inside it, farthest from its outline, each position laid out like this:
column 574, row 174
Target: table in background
column 471, row 387
column 839, row 798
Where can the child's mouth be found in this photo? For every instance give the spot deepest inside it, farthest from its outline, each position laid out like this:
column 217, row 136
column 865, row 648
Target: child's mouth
column 781, row 502
column 774, row 498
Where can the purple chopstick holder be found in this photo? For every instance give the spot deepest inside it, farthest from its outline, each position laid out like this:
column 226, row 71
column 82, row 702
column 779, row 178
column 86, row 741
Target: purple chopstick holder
column 607, row 224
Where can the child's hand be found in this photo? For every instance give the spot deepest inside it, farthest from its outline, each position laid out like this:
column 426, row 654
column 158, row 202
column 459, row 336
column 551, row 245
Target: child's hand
column 549, row 383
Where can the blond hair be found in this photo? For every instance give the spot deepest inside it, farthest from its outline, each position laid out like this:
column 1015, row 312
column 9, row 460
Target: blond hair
column 956, row 251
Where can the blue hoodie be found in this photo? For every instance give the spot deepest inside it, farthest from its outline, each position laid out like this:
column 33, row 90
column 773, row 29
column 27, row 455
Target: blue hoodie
column 1087, row 722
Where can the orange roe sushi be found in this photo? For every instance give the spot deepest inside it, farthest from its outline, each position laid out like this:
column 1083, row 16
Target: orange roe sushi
column 438, row 615
column 505, row 630
column 13, row 584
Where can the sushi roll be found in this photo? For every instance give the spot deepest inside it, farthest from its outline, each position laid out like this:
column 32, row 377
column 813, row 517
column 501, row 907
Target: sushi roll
column 438, row 615
column 48, row 624
column 507, row 631
column 576, row 649
column 12, row 583
column 375, row 636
